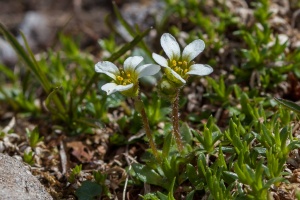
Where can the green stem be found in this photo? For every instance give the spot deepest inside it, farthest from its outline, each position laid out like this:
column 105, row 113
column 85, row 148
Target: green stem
column 175, row 121
column 141, row 108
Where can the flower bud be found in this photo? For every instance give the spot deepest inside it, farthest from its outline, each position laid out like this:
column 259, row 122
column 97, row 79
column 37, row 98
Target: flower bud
column 166, row 89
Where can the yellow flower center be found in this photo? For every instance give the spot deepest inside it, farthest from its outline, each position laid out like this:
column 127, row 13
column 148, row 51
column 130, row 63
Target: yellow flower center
column 124, row 78
column 181, row 67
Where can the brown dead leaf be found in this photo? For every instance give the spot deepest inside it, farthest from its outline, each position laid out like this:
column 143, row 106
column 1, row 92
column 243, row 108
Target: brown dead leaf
column 80, row 151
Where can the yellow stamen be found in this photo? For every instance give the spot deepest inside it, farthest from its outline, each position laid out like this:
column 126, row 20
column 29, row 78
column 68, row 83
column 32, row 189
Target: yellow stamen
column 174, row 63
column 120, row 78
column 128, row 75
column 179, row 63
column 185, row 63
column 185, row 71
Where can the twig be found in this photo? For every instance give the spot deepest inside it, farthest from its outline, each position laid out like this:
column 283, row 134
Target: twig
column 10, row 125
column 63, row 157
column 125, row 185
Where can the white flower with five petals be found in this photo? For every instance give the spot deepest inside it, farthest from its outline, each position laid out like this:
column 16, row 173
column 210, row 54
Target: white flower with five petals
column 180, row 66
column 126, row 79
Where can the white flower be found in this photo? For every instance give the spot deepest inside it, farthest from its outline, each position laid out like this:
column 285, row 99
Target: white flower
column 126, row 79
column 180, row 66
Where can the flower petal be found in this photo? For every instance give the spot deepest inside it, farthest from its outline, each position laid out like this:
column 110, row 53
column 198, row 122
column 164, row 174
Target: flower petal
column 170, row 46
column 107, row 68
column 200, row 70
column 110, row 88
column 147, row 70
column 160, row 60
column 131, row 62
column 177, row 76
column 193, row 49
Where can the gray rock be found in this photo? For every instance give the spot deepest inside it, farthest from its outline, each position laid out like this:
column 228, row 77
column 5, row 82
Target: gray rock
column 36, row 29
column 8, row 55
column 17, row 182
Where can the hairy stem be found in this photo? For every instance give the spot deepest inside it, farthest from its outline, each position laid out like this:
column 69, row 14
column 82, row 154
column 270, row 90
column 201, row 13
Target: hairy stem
column 175, row 121
column 141, row 108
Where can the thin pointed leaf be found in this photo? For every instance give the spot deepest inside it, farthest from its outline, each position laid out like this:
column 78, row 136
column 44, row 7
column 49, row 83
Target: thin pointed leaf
column 21, row 52
column 171, row 190
column 289, row 104
column 32, row 65
column 38, row 72
column 51, row 97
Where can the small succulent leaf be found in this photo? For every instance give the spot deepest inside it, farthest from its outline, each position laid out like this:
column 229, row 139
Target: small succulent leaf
column 148, row 175
column 186, row 133
column 230, row 177
column 192, row 174
column 167, row 145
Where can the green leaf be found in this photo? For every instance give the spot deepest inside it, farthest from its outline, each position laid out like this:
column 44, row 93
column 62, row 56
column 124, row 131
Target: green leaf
column 270, row 182
column 289, row 104
column 240, row 173
column 294, row 145
column 284, row 133
column 190, row 195
column 169, row 169
column 148, row 175
column 34, row 137
column 32, row 64
column 150, row 196
column 8, row 72
column 192, row 174
column 186, row 133
column 88, row 190
column 162, row 196
column 52, row 97
column 230, row 177
column 260, row 150
column 29, row 158
column 22, row 53
column 171, row 190
column 167, row 145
